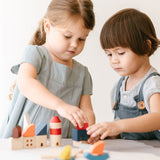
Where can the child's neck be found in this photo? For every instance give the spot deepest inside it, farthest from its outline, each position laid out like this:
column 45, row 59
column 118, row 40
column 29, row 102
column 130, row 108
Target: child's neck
column 135, row 78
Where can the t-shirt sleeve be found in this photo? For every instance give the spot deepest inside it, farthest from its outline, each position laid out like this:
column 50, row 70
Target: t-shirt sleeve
column 151, row 87
column 87, row 85
column 30, row 55
column 113, row 94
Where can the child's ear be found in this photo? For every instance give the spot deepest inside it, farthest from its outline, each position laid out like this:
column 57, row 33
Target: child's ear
column 149, row 44
column 47, row 25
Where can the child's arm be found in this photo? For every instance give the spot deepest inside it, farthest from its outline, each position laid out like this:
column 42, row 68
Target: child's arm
column 31, row 88
column 144, row 123
column 86, row 106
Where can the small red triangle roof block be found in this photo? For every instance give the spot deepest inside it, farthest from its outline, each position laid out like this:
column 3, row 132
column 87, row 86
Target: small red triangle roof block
column 55, row 119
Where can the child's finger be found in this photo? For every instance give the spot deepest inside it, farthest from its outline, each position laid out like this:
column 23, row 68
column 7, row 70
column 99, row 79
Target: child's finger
column 73, row 121
column 78, row 119
column 104, row 135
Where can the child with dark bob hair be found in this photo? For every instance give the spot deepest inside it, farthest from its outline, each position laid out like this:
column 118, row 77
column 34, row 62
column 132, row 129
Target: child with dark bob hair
column 129, row 39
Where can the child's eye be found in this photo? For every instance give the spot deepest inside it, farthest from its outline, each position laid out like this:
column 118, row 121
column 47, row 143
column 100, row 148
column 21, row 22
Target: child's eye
column 67, row 37
column 109, row 54
column 121, row 53
column 81, row 39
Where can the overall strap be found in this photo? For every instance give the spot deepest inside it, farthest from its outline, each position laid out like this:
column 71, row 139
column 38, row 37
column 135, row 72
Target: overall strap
column 117, row 98
column 141, row 98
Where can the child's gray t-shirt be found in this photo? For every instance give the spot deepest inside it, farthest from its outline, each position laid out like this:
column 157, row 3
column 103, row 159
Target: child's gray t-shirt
column 66, row 83
column 151, row 86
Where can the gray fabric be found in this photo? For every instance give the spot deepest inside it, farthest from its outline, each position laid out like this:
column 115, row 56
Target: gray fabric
column 151, row 86
column 64, row 82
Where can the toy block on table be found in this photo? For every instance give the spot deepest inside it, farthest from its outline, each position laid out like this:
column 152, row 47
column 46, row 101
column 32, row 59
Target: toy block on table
column 85, row 125
column 17, row 131
column 29, row 131
column 79, row 135
column 29, row 142
column 16, row 141
column 41, row 129
column 41, row 141
column 66, row 154
column 27, row 139
column 55, row 131
column 97, row 152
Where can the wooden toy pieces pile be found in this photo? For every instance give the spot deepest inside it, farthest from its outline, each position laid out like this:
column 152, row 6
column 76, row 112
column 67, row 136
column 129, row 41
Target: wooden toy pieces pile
column 96, row 152
column 32, row 137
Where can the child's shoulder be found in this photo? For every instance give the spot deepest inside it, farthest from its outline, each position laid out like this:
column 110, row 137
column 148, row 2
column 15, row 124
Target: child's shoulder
column 153, row 82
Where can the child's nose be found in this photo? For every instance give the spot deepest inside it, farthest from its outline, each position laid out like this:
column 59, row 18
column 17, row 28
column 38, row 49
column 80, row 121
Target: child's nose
column 74, row 43
column 114, row 59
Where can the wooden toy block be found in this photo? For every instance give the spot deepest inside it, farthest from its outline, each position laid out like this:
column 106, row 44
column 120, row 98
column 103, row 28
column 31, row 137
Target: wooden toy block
column 55, row 132
column 96, row 152
column 96, row 157
column 66, row 154
column 41, row 129
column 41, row 141
column 16, row 143
column 55, row 140
column 26, row 120
column 84, row 126
column 29, row 131
column 97, row 148
column 79, row 135
column 17, row 132
column 29, row 142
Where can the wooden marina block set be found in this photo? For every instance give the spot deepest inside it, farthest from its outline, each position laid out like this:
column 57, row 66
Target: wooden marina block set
column 36, row 137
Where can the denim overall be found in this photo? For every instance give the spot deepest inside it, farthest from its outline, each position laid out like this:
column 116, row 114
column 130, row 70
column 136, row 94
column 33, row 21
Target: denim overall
column 124, row 112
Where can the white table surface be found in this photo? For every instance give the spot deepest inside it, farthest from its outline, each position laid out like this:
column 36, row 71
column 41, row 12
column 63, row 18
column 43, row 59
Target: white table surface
column 117, row 149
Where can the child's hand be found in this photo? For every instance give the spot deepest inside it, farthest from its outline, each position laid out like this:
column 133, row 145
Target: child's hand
column 92, row 140
column 104, row 130
column 74, row 114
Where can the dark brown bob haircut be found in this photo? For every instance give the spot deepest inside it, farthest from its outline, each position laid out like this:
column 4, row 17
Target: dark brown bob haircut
column 130, row 28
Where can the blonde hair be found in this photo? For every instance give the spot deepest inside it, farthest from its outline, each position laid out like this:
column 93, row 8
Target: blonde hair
column 59, row 11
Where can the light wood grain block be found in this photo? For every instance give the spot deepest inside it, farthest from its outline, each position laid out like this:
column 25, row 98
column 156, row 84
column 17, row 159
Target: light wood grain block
column 55, row 140
column 29, row 142
column 16, row 143
column 41, row 141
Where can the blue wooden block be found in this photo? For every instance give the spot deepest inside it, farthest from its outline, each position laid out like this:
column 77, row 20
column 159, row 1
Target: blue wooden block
column 79, row 135
column 96, row 157
column 41, row 129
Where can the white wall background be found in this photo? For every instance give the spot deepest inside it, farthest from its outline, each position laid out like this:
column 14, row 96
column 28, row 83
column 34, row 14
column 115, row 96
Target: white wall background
column 19, row 19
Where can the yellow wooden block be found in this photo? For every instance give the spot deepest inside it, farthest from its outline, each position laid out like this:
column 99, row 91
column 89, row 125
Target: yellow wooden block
column 66, row 153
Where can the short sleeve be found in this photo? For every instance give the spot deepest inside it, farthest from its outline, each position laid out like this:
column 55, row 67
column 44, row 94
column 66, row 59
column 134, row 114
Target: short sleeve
column 87, row 85
column 151, row 87
column 30, row 55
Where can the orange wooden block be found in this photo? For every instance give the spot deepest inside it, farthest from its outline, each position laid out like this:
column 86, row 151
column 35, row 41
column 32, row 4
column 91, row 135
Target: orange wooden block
column 29, row 131
column 97, row 148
